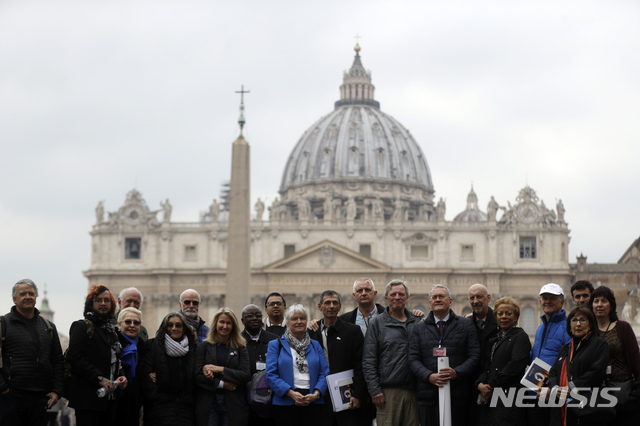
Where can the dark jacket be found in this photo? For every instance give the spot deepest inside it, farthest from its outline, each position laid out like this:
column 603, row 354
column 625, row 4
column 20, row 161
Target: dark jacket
column 551, row 335
column 630, row 345
column 345, row 342
column 130, row 399
column 504, row 370
column 170, row 400
column 461, row 342
column 350, row 316
column 485, row 334
column 385, row 359
column 89, row 356
column 236, row 371
column 589, row 364
column 257, row 350
column 28, row 365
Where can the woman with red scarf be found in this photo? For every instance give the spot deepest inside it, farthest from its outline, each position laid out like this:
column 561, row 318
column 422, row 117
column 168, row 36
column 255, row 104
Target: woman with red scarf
column 580, row 364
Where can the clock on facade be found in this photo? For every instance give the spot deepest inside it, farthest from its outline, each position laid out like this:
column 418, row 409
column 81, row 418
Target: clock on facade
column 527, row 212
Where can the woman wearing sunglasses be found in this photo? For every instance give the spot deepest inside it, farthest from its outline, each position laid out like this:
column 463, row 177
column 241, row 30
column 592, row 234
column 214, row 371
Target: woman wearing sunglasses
column 129, row 403
column 168, row 374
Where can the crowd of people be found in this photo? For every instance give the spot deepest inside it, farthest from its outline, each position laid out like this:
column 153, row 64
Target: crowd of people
column 404, row 367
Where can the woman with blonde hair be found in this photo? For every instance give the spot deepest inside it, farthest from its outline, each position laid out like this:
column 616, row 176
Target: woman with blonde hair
column 222, row 370
column 130, row 401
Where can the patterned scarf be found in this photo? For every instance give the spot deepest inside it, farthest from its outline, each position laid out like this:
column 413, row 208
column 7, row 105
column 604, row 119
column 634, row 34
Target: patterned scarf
column 301, row 348
column 176, row 349
column 502, row 334
column 104, row 322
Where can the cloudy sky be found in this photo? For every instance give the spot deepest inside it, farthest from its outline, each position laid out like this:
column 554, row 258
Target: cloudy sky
column 99, row 97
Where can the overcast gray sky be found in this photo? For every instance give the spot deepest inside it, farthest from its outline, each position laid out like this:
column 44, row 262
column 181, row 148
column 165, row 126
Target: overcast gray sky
column 98, row 97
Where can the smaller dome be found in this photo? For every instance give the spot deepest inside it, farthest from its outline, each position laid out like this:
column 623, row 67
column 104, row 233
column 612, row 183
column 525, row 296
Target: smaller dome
column 472, row 213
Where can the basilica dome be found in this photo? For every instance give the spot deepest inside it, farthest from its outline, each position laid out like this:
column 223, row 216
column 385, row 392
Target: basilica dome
column 357, row 143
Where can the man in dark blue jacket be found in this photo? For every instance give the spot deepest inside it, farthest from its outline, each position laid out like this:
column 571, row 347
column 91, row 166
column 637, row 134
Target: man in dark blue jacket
column 443, row 333
column 32, row 363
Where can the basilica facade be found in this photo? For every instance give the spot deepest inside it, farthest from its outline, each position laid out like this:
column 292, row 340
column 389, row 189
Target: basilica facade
column 356, row 199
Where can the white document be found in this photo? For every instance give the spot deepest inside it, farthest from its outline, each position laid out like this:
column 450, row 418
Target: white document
column 444, row 395
column 339, row 385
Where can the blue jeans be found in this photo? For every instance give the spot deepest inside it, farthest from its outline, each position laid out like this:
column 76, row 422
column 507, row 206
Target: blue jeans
column 218, row 415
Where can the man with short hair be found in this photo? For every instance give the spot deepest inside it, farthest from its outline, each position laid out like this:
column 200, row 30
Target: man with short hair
column 32, row 373
column 581, row 292
column 131, row 297
column 442, row 334
column 385, row 360
column 486, row 328
column 189, row 306
column 274, row 306
column 257, row 344
column 342, row 343
column 364, row 292
column 551, row 335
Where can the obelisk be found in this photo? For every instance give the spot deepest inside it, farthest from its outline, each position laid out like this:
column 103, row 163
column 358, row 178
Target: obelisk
column 238, row 256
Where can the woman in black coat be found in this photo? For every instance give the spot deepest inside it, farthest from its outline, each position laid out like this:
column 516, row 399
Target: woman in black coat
column 580, row 364
column 222, row 371
column 130, row 399
column 506, row 362
column 168, row 374
column 93, row 355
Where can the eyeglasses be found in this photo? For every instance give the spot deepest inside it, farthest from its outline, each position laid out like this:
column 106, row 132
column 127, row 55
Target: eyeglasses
column 176, row 325
column 272, row 304
column 100, row 301
column 191, row 302
column 131, row 322
column 439, row 297
column 580, row 320
column 252, row 316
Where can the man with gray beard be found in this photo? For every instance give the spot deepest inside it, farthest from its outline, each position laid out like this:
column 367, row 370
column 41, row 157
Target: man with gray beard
column 189, row 305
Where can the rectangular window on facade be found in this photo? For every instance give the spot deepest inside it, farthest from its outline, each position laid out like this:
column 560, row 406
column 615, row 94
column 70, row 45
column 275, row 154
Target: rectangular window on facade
column 528, row 248
column 365, row 250
column 132, row 248
column 419, row 252
column 466, row 252
column 190, row 253
column 289, row 249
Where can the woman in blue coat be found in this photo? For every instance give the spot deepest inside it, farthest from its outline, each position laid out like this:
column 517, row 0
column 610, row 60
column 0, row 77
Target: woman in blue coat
column 296, row 372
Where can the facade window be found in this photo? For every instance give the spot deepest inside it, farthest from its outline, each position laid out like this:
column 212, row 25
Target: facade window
column 419, row 252
column 190, row 253
column 528, row 248
column 365, row 250
column 289, row 249
column 132, row 248
column 528, row 320
column 466, row 252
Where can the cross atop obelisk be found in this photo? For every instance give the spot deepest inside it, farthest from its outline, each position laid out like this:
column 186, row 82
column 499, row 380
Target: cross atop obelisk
column 241, row 120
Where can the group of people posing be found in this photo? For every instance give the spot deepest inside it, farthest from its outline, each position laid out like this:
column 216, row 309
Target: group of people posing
column 115, row 372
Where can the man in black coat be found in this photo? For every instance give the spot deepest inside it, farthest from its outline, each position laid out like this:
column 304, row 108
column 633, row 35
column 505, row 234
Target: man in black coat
column 443, row 334
column 486, row 327
column 342, row 343
column 257, row 344
column 364, row 292
column 32, row 364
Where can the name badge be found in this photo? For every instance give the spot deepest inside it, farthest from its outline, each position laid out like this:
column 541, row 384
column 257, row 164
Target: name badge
column 439, row 351
column 261, row 366
column 608, row 369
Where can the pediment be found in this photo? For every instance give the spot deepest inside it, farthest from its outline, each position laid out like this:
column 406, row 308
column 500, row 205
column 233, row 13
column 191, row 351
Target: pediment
column 326, row 256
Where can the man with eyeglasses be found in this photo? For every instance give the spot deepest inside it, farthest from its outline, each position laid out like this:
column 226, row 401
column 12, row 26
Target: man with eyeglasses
column 274, row 306
column 257, row 344
column 131, row 297
column 31, row 367
column 444, row 334
column 189, row 305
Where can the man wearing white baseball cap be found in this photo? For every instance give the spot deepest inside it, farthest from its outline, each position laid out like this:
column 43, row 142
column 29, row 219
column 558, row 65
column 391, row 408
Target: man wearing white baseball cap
column 551, row 335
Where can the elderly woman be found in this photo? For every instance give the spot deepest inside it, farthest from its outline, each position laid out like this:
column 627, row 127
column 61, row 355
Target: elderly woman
column 580, row 364
column 296, row 372
column 130, row 401
column 507, row 358
column 93, row 355
column 624, row 356
column 168, row 374
column 222, row 370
